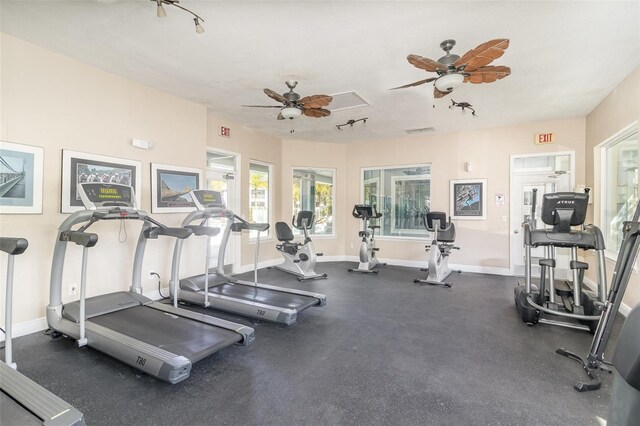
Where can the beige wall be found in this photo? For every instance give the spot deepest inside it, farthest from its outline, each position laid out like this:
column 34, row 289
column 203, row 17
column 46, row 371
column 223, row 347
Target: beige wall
column 619, row 109
column 483, row 243
column 55, row 102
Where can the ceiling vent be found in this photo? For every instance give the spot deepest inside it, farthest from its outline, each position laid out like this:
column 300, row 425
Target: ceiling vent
column 420, row 130
column 347, row 100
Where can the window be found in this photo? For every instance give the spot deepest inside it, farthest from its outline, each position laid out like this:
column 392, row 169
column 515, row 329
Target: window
column 313, row 190
column 402, row 195
column 259, row 195
column 619, row 158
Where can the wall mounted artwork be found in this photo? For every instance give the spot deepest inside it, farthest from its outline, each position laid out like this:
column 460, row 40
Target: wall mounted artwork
column 21, row 171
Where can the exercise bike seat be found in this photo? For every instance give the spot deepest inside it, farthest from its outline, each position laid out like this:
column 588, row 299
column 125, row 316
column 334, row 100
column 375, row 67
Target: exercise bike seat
column 446, row 230
column 285, row 235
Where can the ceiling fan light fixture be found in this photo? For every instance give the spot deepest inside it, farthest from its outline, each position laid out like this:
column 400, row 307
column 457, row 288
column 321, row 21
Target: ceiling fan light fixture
column 449, row 82
column 290, row 112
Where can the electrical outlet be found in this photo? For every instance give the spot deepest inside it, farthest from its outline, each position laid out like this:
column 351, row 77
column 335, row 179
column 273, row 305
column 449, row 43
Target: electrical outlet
column 152, row 274
column 350, row 245
column 73, row 290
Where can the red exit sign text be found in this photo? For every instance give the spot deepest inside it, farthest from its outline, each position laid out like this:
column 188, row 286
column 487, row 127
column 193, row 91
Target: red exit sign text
column 544, row 138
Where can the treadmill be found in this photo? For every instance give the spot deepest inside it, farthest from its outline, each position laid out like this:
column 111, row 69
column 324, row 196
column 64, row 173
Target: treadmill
column 158, row 339
column 221, row 291
column 23, row 401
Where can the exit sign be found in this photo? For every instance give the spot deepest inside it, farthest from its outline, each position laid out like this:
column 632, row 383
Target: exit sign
column 544, row 138
column 225, row 132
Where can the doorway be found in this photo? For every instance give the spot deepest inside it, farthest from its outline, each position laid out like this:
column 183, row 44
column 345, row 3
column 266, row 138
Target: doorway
column 548, row 173
column 223, row 175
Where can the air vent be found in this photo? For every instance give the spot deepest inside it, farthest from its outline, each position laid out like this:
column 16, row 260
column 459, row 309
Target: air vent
column 347, row 100
column 420, row 130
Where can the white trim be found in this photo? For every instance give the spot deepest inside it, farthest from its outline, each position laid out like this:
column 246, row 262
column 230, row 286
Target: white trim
column 270, row 198
column 27, row 327
column 602, row 147
column 624, row 309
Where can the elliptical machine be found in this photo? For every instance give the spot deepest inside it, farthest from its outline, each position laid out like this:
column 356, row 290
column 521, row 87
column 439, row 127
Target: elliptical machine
column 562, row 210
column 368, row 249
column 444, row 235
column 299, row 258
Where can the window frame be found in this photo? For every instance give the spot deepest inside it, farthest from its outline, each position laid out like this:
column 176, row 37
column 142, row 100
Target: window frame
column 616, row 138
column 334, row 172
column 380, row 184
column 270, row 214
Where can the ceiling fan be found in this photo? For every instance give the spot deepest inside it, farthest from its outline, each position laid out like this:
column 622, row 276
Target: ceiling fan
column 293, row 106
column 454, row 70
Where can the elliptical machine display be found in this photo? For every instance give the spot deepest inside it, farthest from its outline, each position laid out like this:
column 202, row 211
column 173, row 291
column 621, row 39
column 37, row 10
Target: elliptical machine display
column 368, row 249
column 299, row 258
column 562, row 210
column 444, row 235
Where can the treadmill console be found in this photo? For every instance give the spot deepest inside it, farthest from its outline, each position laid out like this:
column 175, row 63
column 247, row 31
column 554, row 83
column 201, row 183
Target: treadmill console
column 207, row 199
column 95, row 195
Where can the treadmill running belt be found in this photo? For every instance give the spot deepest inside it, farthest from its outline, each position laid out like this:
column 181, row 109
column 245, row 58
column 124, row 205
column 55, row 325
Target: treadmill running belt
column 192, row 339
column 263, row 295
column 13, row 413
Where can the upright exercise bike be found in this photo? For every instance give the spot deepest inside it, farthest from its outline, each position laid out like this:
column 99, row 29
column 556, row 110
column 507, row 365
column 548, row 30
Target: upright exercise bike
column 299, row 258
column 368, row 249
column 444, row 235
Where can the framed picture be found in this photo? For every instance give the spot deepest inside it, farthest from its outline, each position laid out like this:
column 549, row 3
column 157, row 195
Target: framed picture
column 468, row 199
column 79, row 167
column 21, row 171
column 170, row 187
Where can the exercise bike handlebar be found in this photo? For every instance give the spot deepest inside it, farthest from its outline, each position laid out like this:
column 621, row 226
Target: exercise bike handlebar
column 365, row 211
column 305, row 219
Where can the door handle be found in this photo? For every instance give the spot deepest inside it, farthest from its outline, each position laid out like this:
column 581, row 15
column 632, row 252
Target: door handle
column 515, row 231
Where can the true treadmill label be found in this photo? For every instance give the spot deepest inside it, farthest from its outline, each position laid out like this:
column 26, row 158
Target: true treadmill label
column 141, row 361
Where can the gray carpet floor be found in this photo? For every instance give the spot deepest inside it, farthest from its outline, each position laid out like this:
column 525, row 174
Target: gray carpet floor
column 383, row 351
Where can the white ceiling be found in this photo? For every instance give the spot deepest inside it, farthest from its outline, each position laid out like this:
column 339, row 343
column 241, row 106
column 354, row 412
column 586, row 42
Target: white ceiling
column 564, row 56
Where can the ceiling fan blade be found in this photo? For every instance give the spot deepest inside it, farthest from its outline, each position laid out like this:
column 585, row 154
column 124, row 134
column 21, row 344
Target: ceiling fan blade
column 316, row 112
column 426, row 63
column 275, row 96
column 262, row 106
column 487, row 74
column 438, row 94
column 417, row 83
column 315, row 101
column 483, row 55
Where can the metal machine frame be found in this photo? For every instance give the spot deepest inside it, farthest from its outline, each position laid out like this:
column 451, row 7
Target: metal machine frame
column 188, row 291
column 368, row 249
column 33, row 398
column 444, row 234
column 79, row 322
column 299, row 258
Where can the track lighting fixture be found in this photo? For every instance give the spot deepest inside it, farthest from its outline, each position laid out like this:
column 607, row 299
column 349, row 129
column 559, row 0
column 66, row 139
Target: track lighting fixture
column 464, row 106
column 161, row 13
column 352, row 122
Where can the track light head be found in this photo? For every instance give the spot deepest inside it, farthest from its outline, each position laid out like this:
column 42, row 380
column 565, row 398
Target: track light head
column 160, row 10
column 199, row 28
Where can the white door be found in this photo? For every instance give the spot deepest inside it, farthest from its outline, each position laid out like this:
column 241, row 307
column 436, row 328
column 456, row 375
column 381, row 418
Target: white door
column 224, row 180
column 557, row 176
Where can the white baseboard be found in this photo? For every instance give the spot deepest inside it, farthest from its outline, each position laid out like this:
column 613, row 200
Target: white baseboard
column 28, row 327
